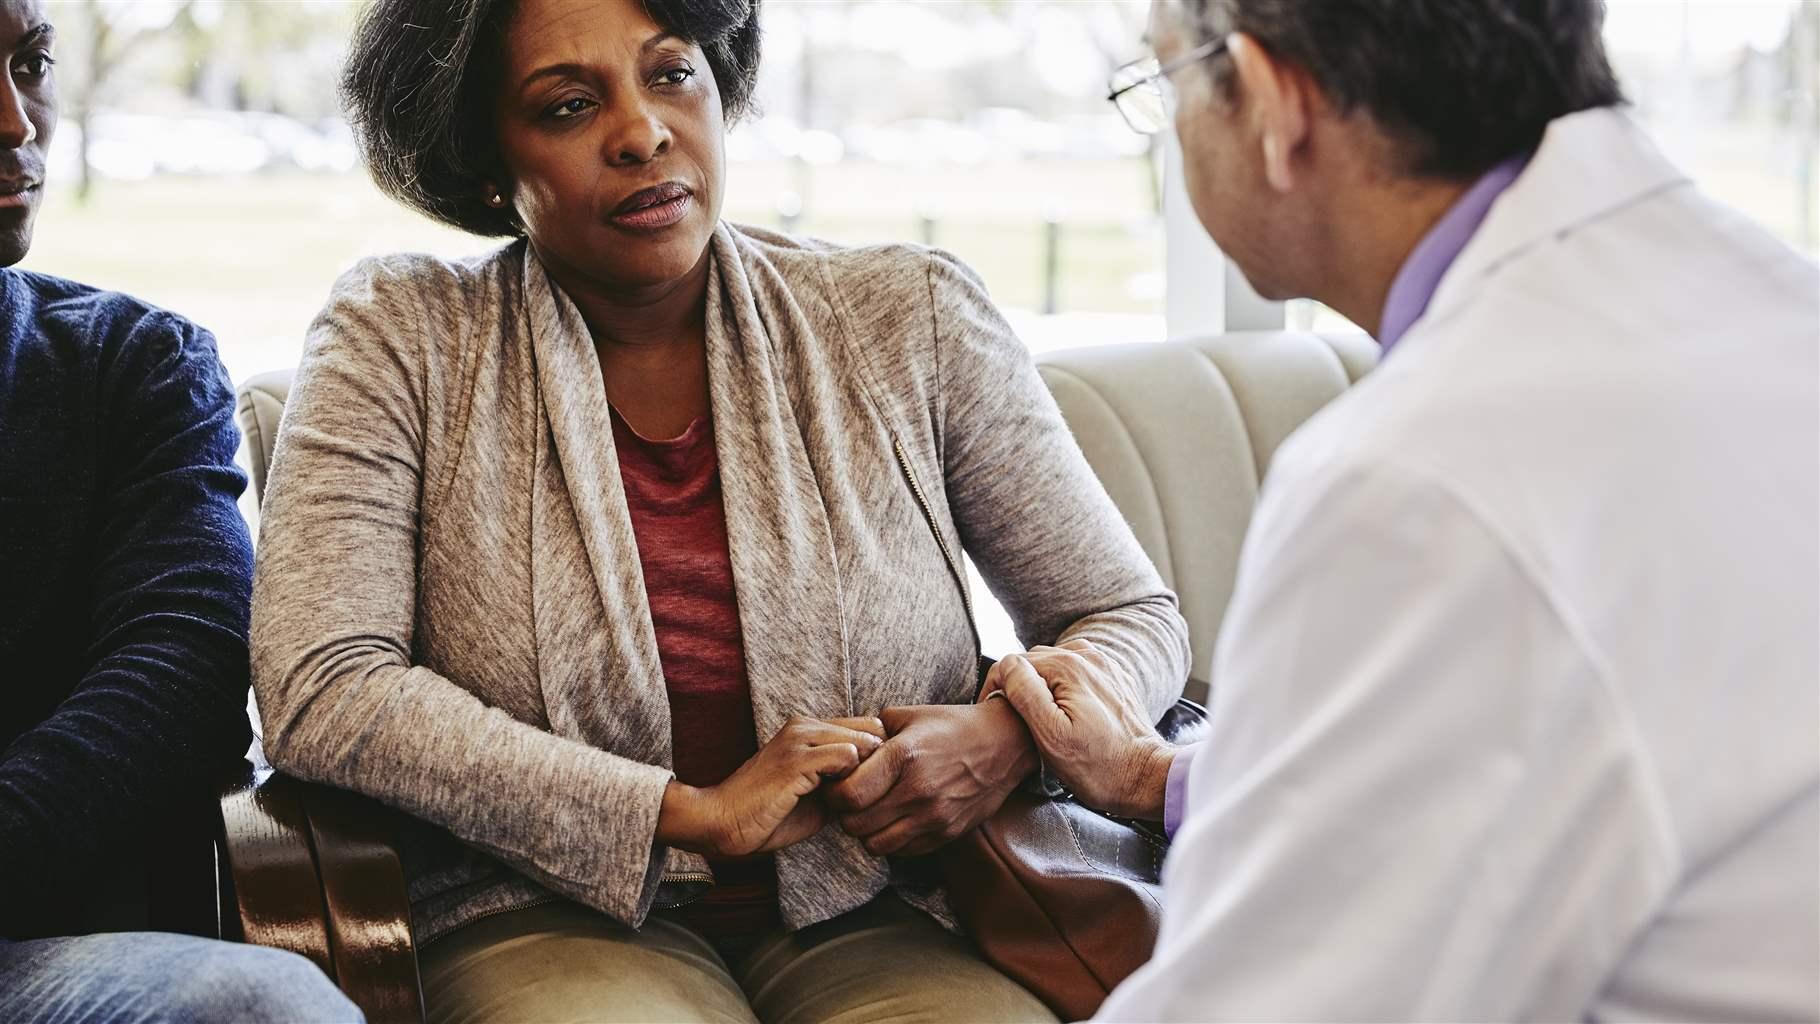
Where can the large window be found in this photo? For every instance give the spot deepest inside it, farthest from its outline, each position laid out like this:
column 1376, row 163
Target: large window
column 976, row 126
column 201, row 163
column 221, row 183
column 1730, row 91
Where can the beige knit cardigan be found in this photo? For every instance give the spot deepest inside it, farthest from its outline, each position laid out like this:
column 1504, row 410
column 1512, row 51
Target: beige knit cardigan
column 449, row 613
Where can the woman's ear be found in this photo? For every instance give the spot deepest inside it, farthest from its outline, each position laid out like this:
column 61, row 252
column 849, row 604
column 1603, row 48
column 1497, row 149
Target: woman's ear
column 1280, row 100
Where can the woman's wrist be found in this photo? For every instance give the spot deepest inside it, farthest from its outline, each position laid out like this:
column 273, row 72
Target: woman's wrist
column 685, row 820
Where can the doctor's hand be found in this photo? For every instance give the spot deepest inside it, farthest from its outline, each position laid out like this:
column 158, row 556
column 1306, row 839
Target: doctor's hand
column 769, row 802
column 945, row 769
column 1088, row 718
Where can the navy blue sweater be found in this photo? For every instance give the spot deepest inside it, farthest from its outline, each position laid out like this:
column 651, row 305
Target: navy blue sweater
column 125, row 579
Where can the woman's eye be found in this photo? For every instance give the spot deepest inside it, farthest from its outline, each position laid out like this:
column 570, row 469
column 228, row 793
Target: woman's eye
column 676, row 75
column 570, row 107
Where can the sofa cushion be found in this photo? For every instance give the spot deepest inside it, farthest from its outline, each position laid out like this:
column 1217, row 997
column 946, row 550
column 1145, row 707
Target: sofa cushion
column 1181, row 434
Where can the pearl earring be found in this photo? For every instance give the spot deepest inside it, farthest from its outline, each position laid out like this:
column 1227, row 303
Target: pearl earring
column 496, row 200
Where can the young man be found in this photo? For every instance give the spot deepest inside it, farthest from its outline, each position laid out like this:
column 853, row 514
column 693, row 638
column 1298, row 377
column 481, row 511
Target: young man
column 125, row 572
column 1515, row 705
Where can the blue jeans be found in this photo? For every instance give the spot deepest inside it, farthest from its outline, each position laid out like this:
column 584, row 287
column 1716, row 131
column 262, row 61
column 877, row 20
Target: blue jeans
column 146, row 977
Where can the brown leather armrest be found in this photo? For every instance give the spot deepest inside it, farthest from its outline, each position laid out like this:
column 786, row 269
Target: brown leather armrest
column 313, row 870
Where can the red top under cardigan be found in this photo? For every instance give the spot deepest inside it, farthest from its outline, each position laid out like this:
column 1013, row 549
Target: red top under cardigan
column 673, row 493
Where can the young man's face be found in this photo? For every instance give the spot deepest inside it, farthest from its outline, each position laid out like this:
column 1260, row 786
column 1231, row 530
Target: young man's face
column 28, row 115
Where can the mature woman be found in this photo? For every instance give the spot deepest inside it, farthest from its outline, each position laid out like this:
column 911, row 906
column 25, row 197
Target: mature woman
column 614, row 556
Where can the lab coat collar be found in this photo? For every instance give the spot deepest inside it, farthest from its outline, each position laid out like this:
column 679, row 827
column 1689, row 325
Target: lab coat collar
column 1589, row 165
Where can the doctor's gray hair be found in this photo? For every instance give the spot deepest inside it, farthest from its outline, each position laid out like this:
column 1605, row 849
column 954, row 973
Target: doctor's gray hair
column 1459, row 85
column 421, row 77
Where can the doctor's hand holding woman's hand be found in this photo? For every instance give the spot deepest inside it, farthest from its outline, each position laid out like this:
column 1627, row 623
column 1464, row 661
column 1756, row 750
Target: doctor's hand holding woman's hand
column 1088, row 718
column 769, row 802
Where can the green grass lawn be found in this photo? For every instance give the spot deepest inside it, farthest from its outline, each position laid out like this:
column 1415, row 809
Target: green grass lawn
column 253, row 258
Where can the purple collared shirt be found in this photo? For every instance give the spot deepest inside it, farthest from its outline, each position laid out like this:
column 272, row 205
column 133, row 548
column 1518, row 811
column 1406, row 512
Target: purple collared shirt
column 1175, row 795
column 1409, row 296
column 1415, row 284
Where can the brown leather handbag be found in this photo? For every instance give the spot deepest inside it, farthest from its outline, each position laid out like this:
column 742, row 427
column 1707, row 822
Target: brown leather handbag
column 1063, row 899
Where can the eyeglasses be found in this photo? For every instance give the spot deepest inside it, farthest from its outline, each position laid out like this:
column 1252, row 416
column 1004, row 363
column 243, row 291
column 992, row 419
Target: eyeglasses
column 1138, row 88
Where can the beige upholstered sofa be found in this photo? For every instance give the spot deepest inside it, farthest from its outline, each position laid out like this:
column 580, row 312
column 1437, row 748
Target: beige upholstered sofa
column 1181, row 434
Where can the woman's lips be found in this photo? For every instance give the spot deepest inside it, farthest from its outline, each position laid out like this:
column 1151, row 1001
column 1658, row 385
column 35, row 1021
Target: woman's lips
column 657, row 215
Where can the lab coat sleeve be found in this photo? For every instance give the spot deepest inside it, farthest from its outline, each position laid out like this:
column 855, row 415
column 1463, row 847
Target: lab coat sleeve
column 1420, row 800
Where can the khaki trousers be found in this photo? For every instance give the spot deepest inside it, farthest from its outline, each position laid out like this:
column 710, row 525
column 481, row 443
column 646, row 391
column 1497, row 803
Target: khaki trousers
column 562, row 962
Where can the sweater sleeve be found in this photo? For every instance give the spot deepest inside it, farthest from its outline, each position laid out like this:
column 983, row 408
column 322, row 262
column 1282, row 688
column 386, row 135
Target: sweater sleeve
column 334, row 614
column 1036, row 521
column 160, row 710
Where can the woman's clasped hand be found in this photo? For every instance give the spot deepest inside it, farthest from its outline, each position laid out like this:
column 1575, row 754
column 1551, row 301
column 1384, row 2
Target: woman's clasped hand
column 771, row 801
column 939, row 770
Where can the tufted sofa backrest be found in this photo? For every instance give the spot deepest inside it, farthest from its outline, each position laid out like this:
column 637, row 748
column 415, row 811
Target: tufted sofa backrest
column 1181, row 434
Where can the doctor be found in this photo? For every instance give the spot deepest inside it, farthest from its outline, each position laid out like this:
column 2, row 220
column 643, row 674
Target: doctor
column 1515, row 706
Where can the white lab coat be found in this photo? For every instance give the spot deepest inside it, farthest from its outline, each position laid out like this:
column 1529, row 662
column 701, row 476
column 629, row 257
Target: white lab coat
column 1517, row 707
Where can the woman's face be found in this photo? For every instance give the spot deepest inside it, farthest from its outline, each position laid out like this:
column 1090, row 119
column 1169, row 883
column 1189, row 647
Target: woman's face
column 612, row 140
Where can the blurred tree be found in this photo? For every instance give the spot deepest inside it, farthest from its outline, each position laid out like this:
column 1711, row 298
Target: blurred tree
column 108, row 34
column 220, row 54
column 275, row 57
